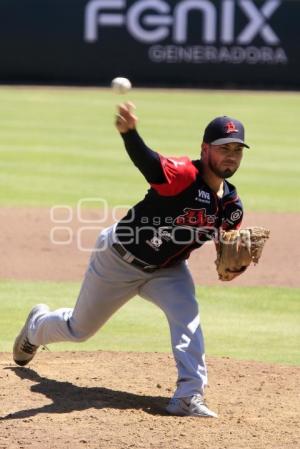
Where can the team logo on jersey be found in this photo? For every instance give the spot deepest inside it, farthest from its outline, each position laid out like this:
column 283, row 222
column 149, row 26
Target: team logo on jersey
column 158, row 239
column 203, row 197
column 195, row 218
column 236, row 215
column 155, row 243
column 230, row 128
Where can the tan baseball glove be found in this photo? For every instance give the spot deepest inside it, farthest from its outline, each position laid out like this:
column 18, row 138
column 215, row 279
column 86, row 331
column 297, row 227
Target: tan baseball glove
column 236, row 249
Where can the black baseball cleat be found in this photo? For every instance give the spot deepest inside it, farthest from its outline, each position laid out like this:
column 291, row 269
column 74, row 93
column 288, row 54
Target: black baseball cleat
column 24, row 351
column 190, row 406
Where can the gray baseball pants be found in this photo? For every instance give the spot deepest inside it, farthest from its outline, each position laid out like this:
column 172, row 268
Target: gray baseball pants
column 108, row 284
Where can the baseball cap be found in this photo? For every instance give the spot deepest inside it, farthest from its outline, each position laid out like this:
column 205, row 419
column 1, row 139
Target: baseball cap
column 223, row 130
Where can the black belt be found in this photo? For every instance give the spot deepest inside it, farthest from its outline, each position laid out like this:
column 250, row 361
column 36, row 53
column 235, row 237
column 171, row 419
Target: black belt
column 129, row 258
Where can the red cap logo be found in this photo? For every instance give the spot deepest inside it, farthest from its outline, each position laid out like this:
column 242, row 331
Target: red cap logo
column 230, row 128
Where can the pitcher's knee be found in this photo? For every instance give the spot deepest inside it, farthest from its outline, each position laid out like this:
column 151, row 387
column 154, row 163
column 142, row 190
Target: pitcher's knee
column 78, row 334
column 79, row 338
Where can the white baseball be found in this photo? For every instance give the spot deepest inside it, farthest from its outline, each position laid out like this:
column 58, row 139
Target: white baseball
column 121, row 85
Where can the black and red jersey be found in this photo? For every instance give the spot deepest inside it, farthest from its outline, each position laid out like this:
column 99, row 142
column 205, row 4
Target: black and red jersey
column 178, row 214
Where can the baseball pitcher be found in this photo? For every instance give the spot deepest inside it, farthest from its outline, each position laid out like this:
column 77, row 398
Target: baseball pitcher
column 145, row 253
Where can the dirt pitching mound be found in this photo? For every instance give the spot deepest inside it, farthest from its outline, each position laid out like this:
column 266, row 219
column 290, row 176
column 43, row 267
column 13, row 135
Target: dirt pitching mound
column 109, row 400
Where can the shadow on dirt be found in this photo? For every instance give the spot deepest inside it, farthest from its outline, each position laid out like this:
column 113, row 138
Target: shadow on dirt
column 67, row 397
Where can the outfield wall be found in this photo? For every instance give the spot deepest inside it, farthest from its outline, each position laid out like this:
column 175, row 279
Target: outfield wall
column 153, row 42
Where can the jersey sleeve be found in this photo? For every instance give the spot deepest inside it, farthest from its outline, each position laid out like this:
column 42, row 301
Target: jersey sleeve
column 232, row 214
column 143, row 157
column 179, row 173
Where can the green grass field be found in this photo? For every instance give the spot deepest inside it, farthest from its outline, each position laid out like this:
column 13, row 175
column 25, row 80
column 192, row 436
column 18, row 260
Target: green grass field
column 250, row 323
column 59, row 145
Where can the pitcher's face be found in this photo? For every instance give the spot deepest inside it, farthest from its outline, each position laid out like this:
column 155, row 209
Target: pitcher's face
column 223, row 160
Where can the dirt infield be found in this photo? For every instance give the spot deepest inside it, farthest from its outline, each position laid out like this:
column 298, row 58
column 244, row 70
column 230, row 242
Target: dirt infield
column 108, row 400
column 27, row 251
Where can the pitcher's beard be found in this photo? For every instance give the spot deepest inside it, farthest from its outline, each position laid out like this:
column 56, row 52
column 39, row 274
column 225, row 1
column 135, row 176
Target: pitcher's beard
column 224, row 174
